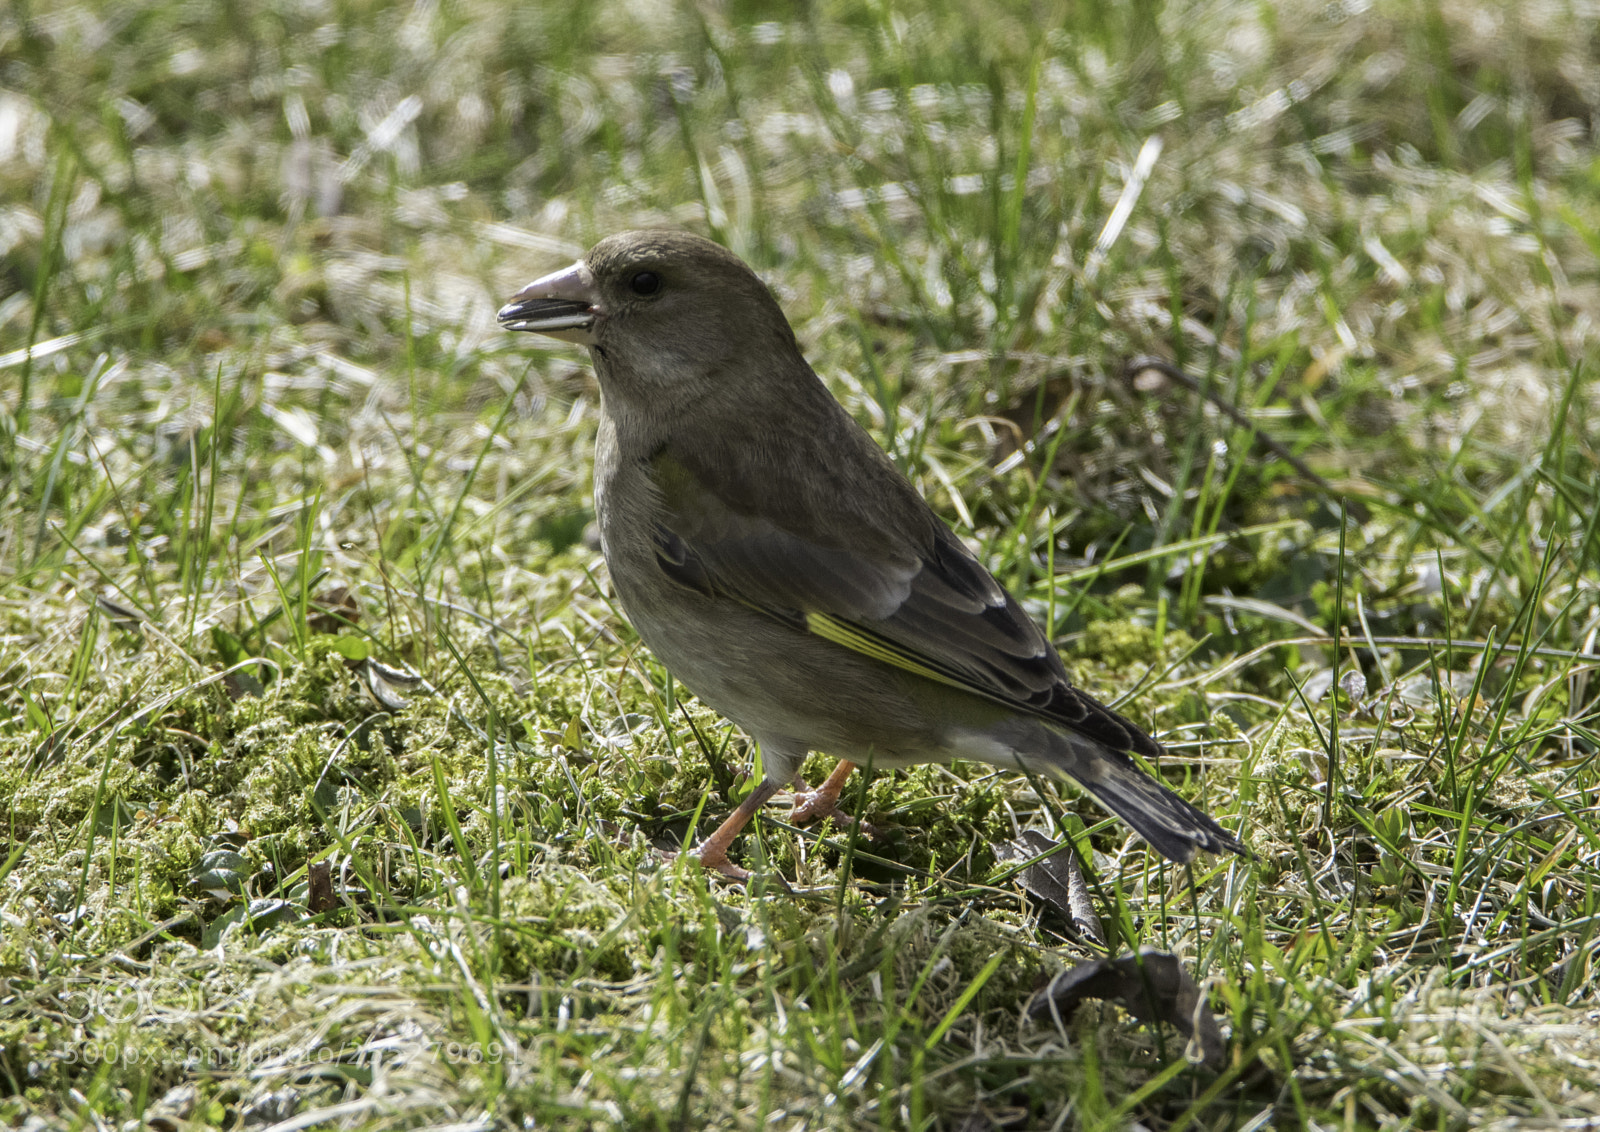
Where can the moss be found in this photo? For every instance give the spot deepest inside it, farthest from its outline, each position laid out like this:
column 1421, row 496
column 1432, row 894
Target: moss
column 559, row 921
column 1127, row 643
column 35, row 1056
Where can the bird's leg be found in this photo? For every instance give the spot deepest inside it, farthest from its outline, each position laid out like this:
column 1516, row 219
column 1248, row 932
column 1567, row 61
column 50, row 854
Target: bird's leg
column 713, row 851
column 823, row 802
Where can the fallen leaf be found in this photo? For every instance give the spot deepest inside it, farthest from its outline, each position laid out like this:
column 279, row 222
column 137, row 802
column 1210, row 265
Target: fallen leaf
column 1057, row 880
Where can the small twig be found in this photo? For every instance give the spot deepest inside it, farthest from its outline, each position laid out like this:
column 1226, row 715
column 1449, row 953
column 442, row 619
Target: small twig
column 1134, row 368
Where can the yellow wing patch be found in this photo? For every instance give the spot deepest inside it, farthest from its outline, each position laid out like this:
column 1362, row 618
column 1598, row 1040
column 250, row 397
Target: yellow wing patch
column 842, row 633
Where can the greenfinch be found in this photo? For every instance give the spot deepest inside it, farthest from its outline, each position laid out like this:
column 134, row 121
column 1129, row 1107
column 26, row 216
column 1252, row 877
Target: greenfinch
column 776, row 561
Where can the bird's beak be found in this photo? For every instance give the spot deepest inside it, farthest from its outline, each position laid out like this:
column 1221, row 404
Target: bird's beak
column 563, row 305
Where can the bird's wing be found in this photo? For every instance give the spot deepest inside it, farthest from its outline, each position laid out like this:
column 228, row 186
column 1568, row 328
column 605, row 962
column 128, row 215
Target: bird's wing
column 906, row 592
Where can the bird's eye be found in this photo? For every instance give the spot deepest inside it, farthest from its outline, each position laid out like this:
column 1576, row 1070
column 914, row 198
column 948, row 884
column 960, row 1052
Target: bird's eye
column 645, row 283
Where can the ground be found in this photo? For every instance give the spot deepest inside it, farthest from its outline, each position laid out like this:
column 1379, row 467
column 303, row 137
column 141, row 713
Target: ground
column 340, row 792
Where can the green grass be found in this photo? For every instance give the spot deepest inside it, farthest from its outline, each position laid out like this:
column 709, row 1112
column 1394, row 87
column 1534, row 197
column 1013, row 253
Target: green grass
column 258, row 428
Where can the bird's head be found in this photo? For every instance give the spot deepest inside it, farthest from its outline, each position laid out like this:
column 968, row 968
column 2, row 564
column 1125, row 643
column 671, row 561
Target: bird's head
column 663, row 313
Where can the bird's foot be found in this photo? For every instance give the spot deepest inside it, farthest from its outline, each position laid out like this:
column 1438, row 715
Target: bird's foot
column 813, row 806
column 714, row 859
column 823, row 802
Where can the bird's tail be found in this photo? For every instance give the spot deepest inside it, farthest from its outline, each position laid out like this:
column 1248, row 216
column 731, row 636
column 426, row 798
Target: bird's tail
column 1172, row 826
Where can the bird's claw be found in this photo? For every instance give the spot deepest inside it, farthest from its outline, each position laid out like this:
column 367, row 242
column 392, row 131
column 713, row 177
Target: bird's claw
column 716, row 861
column 815, row 805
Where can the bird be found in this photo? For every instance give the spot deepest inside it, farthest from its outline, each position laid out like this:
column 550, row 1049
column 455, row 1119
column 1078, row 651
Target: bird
column 772, row 556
